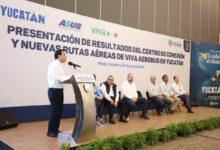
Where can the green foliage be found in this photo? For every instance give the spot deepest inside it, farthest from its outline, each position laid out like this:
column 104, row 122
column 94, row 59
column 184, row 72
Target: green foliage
column 130, row 142
column 164, row 135
column 150, row 137
column 208, row 124
column 65, row 146
column 112, row 143
column 211, row 123
column 97, row 144
column 199, row 126
column 172, row 129
column 193, row 128
column 184, row 129
column 217, row 122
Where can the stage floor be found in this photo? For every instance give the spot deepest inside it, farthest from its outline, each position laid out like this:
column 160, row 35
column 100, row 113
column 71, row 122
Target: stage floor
column 33, row 135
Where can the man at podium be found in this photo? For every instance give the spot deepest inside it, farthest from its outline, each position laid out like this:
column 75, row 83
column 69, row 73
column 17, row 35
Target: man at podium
column 55, row 91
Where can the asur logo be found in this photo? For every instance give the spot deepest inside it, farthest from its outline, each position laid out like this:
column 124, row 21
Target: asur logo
column 70, row 25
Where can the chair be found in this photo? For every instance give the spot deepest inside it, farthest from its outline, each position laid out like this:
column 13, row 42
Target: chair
column 151, row 104
column 105, row 114
column 154, row 105
column 178, row 109
column 139, row 94
column 119, row 103
column 137, row 108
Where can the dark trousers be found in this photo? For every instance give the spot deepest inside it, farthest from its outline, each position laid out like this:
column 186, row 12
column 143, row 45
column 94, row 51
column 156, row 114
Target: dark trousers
column 129, row 105
column 109, row 106
column 99, row 108
column 121, row 108
column 160, row 104
column 56, row 103
column 186, row 100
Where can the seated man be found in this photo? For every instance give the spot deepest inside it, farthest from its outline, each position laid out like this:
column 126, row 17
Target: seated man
column 156, row 96
column 98, row 103
column 130, row 98
column 168, row 94
column 181, row 93
column 110, row 93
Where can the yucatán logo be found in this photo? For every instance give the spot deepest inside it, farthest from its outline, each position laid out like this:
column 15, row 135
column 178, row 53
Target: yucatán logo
column 21, row 14
column 70, row 25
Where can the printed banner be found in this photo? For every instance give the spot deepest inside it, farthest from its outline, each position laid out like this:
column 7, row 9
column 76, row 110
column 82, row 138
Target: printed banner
column 30, row 33
column 205, row 74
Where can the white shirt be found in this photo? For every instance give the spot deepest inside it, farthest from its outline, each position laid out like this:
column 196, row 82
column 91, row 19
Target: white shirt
column 111, row 93
column 55, row 74
column 154, row 90
column 177, row 89
column 129, row 90
column 166, row 89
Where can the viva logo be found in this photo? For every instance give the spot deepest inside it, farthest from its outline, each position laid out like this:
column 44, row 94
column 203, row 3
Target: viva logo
column 100, row 31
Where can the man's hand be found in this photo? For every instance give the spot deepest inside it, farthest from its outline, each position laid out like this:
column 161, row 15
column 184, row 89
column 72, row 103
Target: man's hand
column 115, row 104
column 187, row 94
column 100, row 97
column 160, row 97
column 111, row 101
column 134, row 99
column 172, row 96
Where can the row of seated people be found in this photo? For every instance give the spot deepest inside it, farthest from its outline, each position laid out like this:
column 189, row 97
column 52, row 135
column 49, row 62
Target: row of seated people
column 163, row 95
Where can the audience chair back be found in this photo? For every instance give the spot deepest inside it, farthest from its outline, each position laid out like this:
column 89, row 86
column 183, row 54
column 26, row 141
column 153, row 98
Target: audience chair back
column 139, row 94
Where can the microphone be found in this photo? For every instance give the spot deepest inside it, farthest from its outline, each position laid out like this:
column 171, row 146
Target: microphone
column 74, row 65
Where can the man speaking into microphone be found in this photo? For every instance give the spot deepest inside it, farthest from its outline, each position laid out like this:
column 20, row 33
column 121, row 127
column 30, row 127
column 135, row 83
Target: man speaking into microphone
column 74, row 65
column 55, row 91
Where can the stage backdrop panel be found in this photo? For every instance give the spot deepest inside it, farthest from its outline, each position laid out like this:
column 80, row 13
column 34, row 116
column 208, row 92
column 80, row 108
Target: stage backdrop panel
column 205, row 74
column 30, row 33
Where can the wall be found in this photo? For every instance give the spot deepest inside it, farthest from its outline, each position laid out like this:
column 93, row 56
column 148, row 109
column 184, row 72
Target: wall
column 197, row 20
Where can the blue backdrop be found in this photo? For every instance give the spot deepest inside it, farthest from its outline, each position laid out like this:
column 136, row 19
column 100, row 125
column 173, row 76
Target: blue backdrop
column 205, row 74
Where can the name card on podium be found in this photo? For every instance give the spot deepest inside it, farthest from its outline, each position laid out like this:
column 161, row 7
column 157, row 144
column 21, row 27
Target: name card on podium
column 80, row 78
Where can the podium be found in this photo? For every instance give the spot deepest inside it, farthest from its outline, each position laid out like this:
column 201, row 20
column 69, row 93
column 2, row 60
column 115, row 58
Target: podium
column 85, row 123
